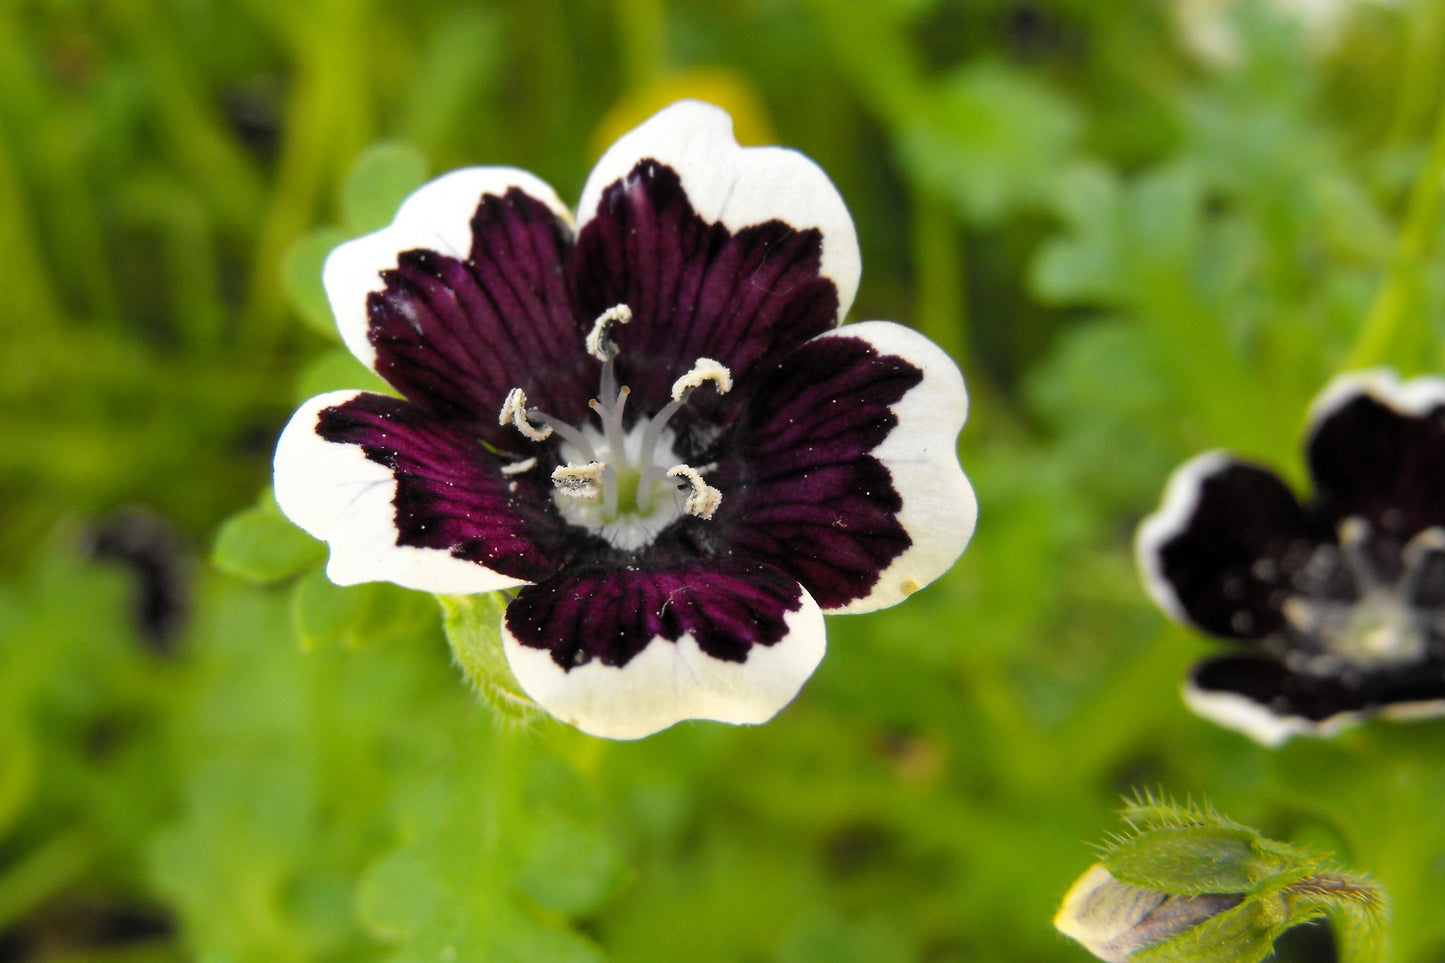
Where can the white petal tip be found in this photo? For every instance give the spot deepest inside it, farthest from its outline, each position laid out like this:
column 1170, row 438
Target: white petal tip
column 670, row 682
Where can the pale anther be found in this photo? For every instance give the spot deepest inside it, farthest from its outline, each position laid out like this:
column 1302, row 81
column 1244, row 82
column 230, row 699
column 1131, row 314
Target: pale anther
column 706, row 369
column 1301, row 614
column 600, row 344
column 1430, row 540
column 703, row 499
column 579, row 481
column 514, row 412
column 517, row 467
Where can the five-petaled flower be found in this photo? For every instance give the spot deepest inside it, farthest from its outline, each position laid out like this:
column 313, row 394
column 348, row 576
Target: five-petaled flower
column 1339, row 601
column 648, row 424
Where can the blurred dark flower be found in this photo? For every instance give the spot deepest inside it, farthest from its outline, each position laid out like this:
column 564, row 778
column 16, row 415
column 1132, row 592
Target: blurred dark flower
column 648, row 421
column 144, row 543
column 1337, row 602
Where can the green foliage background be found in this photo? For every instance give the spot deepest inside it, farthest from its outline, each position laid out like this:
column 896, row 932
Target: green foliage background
column 1135, row 250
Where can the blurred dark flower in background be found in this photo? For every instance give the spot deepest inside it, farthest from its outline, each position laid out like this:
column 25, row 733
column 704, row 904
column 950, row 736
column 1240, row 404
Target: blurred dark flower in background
column 1338, row 602
column 145, row 544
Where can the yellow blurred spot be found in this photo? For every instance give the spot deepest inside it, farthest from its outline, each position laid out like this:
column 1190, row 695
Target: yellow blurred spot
column 723, row 86
column 909, row 587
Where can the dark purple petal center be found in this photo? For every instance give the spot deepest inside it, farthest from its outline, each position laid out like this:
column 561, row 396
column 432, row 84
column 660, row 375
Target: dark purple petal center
column 1372, row 460
column 696, row 289
column 811, row 499
column 685, row 472
column 454, row 335
column 450, row 494
column 611, row 613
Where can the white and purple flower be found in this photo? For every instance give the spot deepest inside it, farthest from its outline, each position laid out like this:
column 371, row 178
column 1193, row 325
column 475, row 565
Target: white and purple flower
column 1337, row 602
column 648, row 423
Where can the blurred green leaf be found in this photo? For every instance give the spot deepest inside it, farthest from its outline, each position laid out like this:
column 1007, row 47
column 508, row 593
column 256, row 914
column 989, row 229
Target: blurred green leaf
column 448, row 891
column 1089, row 266
column 1094, row 389
column 570, row 869
column 303, row 279
column 1126, row 239
column 324, row 613
column 379, row 181
column 991, row 139
column 828, row 938
column 262, row 545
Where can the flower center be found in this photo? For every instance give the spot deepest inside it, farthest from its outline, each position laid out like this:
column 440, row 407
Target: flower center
column 625, row 484
column 1388, row 622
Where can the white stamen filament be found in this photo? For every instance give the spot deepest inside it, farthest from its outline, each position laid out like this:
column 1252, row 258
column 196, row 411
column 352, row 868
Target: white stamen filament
column 703, row 371
column 569, row 434
column 611, row 481
column 1354, row 534
column 609, row 412
column 610, row 495
column 704, row 499
column 1416, row 556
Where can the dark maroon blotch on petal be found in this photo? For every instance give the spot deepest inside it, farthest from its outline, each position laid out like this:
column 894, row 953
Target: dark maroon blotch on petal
column 1385, row 466
column 1269, row 684
column 696, row 289
column 1232, row 563
column 803, row 492
column 611, row 612
column 454, row 336
column 450, row 493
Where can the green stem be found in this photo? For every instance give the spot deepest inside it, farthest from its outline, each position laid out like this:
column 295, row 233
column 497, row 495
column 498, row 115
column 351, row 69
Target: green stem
column 1097, row 735
column 29, row 289
column 1395, row 326
column 190, row 128
column 1420, row 74
column 881, row 63
column 938, row 259
column 328, row 120
column 641, row 29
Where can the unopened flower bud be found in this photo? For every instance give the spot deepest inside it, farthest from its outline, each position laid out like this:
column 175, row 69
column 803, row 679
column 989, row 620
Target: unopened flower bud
column 1113, row 919
column 1187, row 885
